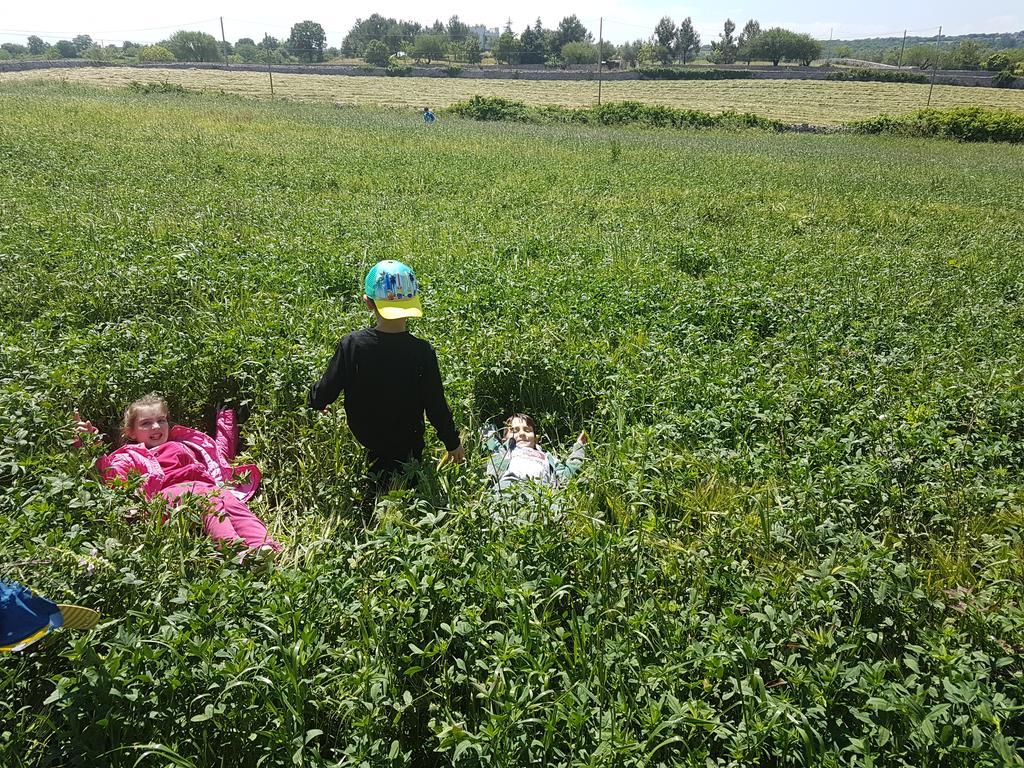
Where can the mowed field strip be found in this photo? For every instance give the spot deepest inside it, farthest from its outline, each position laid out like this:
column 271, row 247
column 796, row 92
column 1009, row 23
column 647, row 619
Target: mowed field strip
column 799, row 101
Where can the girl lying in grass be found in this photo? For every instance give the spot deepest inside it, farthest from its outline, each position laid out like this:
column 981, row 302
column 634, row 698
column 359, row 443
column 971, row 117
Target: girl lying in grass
column 516, row 458
column 176, row 461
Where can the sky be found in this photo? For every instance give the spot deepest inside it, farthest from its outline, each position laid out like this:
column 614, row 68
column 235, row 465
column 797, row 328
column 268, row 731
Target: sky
column 144, row 22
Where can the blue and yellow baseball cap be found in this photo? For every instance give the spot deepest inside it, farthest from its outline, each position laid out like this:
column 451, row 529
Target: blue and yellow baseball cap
column 393, row 288
column 26, row 617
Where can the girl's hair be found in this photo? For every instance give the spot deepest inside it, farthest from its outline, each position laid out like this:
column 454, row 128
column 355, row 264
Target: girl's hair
column 528, row 419
column 131, row 413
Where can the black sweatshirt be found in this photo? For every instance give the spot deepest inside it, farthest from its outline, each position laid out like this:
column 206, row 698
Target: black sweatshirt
column 389, row 380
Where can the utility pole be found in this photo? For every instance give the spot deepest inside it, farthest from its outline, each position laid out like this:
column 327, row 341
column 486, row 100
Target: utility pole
column 899, row 64
column 600, row 56
column 269, row 70
column 224, row 40
column 828, row 52
column 935, row 65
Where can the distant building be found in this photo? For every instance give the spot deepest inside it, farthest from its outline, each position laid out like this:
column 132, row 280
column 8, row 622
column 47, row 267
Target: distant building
column 487, row 36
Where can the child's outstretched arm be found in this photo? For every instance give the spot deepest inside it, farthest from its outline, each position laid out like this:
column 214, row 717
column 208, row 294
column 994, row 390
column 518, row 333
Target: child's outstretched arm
column 566, row 469
column 227, row 434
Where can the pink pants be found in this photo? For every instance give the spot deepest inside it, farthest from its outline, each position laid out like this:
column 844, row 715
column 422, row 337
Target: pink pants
column 229, row 519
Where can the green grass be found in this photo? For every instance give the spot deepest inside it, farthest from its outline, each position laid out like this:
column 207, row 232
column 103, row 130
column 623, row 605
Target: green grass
column 800, row 537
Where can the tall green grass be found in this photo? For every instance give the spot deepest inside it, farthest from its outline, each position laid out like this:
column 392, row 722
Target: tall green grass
column 798, row 539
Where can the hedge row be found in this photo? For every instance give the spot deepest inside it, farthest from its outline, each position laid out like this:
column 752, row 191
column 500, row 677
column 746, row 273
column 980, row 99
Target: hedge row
column 671, row 73
column 962, row 123
column 877, row 75
column 619, row 113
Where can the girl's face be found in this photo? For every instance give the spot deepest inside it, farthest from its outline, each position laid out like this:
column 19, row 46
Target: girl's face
column 151, row 427
column 523, row 433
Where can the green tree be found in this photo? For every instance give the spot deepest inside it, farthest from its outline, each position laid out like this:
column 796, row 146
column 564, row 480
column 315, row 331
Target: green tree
column 804, row 49
column 579, row 53
column 532, row 49
column 428, row 47
column 845, row 52
column 36, row 45
column 687, row 40
column 471, row 49
column 248, row 52
column 457, row 31
column 66, row 49
column 376, row 53
column 307, row 41
column 82, row 43
column 724, row 50
column 155, row 53
column 743, row 43
column 629, row 52
column 665, row 33
column 193, row 46
column 508, row 48
column 772, row 45
column 968, row 54
column 14, row 49
column 571, row 30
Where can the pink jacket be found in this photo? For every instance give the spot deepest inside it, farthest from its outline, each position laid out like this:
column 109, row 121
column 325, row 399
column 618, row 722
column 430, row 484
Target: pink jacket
column 215, row 454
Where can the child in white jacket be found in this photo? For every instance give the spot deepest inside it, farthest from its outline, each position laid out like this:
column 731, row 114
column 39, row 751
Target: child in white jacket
column 516, row 458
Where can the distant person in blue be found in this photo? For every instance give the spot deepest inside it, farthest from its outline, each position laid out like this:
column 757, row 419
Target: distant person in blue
column 428, row 116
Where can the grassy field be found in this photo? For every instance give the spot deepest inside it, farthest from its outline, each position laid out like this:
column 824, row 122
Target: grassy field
column 798, row 101
column 799, row 538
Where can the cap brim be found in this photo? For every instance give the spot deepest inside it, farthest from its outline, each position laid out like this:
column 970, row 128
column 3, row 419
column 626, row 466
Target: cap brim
column 393, row 310
column 27, row 641
column 77, row 617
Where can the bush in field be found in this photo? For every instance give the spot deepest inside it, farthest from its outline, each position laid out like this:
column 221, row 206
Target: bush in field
column 612, row 113
column 997, row 62
column 1004, row 79
column 376, row 53
column 397, row 68
column 962, row 123
column 490, row 108
column 155, row 53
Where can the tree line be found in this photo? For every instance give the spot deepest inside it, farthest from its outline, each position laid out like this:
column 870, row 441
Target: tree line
column 381, row 41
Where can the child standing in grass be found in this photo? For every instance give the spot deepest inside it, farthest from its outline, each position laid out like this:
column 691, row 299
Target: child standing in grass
column 389, row 377
column 516, row 457
column 176, row 461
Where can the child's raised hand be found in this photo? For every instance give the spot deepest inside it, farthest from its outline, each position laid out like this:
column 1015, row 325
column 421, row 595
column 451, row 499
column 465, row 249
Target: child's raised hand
column 84, row 427
column 583, row 438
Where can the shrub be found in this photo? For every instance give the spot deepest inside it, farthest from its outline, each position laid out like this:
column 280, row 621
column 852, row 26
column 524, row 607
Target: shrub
column 452, row 70
column 961, row 123
column 162, row 86
column 1004, row 79
column 997, row 62
column 397, row 69
column 614, row 113
column 670, row 73
column 877, row 75
column 490, row 108
column 156, row 53
column 377, row 53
